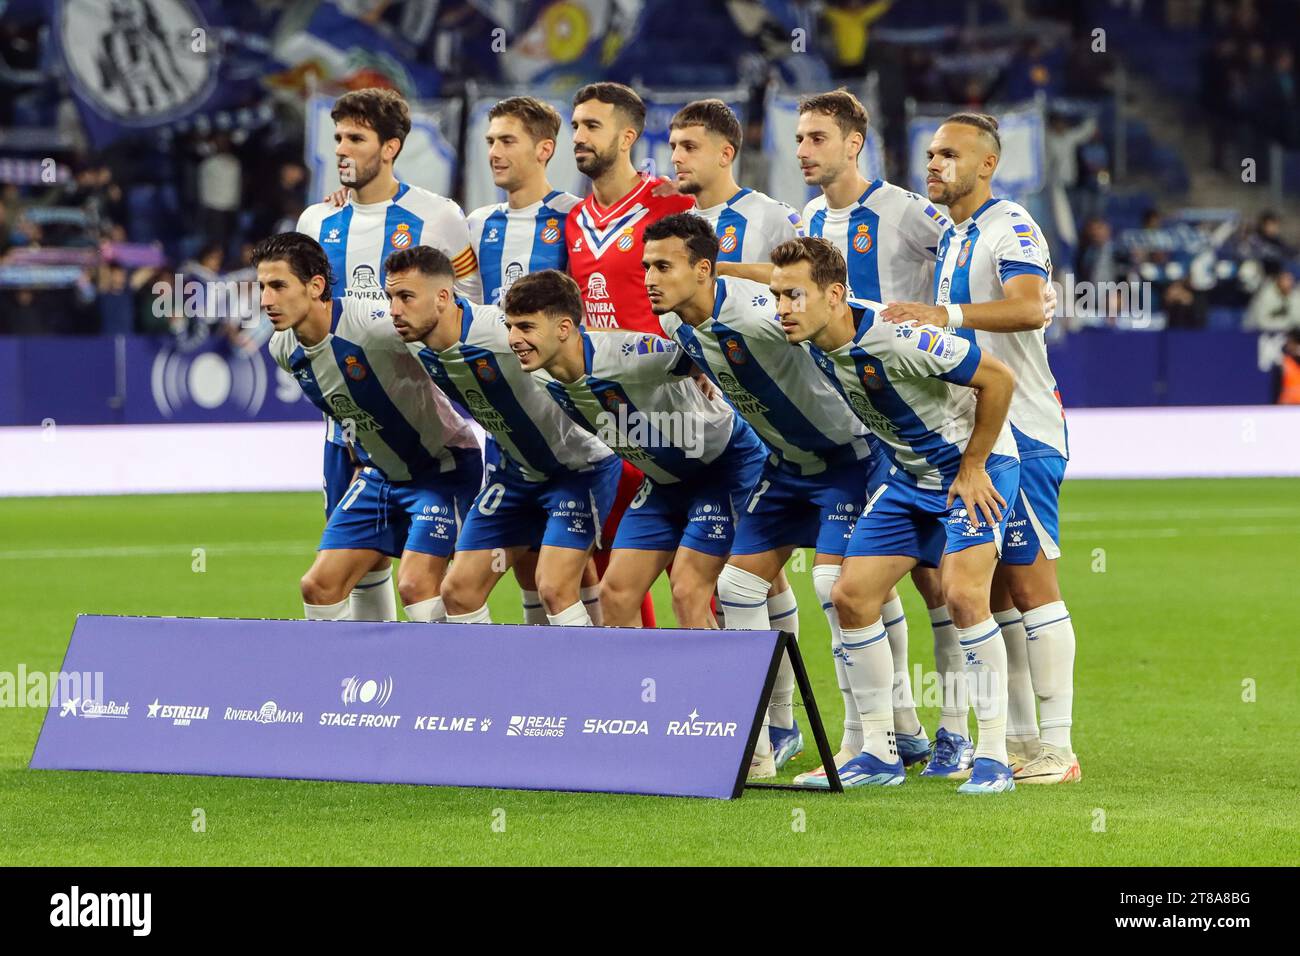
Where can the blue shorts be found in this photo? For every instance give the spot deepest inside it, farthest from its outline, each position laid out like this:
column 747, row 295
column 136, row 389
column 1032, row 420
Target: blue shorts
column 817, row 510
column 565, row 511
column 699, row 513
column 903, row 520
column 422, row 515
column 1035, row 521
column 339, row 469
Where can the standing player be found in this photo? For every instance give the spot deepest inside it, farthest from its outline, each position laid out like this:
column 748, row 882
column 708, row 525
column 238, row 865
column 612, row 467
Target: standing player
column 699, row 458
column 379, row 215
column 420, row 464
column 993, row 268
column 603, row 235
column 939, row 407
column 526, row 232
column 888, row 238
column 552, row 483
column 706, row 137
column 813, row 485
column 521, row 235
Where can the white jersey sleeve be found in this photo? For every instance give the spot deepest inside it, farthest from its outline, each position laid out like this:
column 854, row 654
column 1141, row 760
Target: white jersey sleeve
column 924, row 351
column 446, row 229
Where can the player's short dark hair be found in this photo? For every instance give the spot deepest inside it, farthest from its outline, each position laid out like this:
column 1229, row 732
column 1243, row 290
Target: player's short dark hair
column 423, row 259
column 981, row 121
column 538, row 118
column 701, row 241
column 843, row 107
column 825, row 262
column 384, row 111
column 715, row 116
column 548, row 291
column 301, row 253
column 622, row 98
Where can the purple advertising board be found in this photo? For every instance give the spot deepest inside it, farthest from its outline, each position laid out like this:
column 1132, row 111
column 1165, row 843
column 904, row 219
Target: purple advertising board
column 623, row 710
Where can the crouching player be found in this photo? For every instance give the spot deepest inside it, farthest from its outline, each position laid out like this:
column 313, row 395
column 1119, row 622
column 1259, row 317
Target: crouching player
column 632, row 390
column 553, row 483
column 814, row 482
column 939, row 407
column 420, row 465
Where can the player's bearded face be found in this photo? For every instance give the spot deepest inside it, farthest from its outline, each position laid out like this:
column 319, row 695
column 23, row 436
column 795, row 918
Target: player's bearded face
column 358, row 154
column 414, row 306
column 593, row 161
column 823, row 151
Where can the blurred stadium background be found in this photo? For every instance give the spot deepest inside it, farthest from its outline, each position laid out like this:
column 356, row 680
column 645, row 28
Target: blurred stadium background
column 1158, row 143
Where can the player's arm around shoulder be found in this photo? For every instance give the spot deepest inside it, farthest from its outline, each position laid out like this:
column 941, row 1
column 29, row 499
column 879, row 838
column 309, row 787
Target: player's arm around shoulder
column 449, row 229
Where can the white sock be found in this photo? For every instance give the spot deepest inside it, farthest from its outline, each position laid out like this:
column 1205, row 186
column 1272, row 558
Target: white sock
column 373, row 599
column 870, row 670
column 481, row 616
column 824, row 577
column 985, row 658
column 783, row 615
column 575, row 615
column 426, row 611
column 590, row 598
column 328, row 612
column 1051, row 662
column 954, row 716
column 743, row 598
column 534, row 613
column 905, row 719
column 1022, row 721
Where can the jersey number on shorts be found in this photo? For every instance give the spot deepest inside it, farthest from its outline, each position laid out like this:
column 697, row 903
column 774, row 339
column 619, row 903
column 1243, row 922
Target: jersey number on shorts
column 490, row 500
column 353, row 493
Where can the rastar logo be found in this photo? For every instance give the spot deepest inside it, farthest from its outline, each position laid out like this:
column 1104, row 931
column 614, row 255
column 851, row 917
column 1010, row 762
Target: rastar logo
column 694, row 727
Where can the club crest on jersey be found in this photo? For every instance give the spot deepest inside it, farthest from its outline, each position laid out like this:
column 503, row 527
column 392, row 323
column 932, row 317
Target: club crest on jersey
column 862, row 241
column 401, row 237
column 612, row 401
column 485, row 372
column 964, row 255
column 353, row 368
column 626, row 240
column 727, row 242
column 551, row 232
column 870, row 379
column 736, row 353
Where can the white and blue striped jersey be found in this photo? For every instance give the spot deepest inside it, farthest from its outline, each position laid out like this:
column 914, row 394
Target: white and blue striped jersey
column 482, row 373
column 906, row 384
column 363, row 373
column 635, row 396
column 999, row 241
column 359, row 237
column 750, row 225
column 510, row 243
column 777, row 388
column 888, row 238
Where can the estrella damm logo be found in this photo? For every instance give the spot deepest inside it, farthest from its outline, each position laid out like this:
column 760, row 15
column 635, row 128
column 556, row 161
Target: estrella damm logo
column 551, row 232
column 862, row 241
column 401, row 237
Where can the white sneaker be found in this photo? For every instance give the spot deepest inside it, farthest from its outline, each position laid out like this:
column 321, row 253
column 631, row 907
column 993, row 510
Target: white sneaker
column 1021, row 750
column 817, row 778
column 1052, row 765
column 762, row 768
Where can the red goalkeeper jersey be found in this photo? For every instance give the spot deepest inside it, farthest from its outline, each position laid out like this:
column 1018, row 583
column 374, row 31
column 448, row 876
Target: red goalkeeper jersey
column 605, row 256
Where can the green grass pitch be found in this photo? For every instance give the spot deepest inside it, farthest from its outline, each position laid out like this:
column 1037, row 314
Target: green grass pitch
column 1187, row 683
